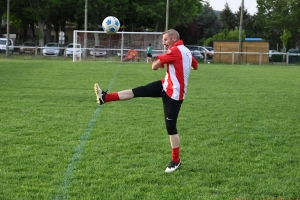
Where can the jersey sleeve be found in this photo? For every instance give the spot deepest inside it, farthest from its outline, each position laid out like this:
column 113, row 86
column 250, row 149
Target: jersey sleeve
column 170, row 56
column 194, row 63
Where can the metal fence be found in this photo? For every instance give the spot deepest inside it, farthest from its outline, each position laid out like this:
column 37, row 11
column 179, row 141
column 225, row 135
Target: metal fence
column 258, row 58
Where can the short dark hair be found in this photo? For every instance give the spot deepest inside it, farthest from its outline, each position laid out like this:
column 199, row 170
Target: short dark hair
column 149, row 44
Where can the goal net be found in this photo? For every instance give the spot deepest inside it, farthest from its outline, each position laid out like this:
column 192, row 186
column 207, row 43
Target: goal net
column 100, row 45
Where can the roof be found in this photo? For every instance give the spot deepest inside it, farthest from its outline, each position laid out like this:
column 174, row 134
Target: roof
column 253, row 39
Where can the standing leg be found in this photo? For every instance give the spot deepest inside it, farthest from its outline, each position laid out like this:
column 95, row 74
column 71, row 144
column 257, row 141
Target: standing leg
column 171, row 111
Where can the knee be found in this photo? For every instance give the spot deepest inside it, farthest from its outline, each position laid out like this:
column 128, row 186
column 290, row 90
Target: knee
column 171, row 129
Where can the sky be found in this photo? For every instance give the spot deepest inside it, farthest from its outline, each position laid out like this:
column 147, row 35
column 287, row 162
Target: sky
column 219, row 5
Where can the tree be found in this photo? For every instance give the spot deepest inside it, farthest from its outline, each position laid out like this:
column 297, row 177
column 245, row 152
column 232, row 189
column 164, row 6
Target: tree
column 190, row 34
column 229, row 35
column 133, row 14
column 258, row 25
column 286, row 39
column 21, row 20
column 259, row 29
column 153, row 14
column 3, row 7
column 228, row 18
column 247, row 21
column 281, row 15
column 208, row 22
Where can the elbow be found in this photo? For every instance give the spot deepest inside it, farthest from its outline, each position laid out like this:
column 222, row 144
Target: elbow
column 156, row 65
column 153, row 67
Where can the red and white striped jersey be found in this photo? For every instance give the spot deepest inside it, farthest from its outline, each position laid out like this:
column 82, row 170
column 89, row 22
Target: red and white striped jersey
column 179, row 60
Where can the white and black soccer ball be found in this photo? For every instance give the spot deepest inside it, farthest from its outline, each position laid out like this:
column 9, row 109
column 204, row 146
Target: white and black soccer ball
column 111, row 24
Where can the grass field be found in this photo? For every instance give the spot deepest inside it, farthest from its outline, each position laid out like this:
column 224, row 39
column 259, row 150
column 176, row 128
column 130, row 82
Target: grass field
column 239, row 128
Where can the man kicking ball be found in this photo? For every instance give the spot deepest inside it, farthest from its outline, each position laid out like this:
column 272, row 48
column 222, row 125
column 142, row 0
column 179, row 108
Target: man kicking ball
column 172, row 89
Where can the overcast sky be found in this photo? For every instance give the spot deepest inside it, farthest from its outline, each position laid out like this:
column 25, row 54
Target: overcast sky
column 234, row 5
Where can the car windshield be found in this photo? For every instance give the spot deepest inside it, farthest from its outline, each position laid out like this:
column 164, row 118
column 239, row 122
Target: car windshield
column 99, row 47
column 193, row 48
column 52, row 45
column 209, row 48
column 203, row 49
column 71, row 46
column 3, row 42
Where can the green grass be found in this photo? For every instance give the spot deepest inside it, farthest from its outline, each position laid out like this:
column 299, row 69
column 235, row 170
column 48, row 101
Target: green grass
column 239, row 128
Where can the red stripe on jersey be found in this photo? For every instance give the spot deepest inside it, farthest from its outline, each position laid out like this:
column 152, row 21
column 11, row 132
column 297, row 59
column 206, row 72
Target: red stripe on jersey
column 179, row 60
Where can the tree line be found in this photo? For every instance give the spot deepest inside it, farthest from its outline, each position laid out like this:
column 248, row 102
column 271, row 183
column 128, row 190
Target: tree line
column 196, row 21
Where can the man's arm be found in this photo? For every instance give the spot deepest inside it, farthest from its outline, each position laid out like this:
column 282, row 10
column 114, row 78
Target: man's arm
column 156, row 65
column 194, row 63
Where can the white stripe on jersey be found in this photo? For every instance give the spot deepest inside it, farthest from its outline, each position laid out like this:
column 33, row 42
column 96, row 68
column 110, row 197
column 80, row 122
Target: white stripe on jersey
column 182, row 73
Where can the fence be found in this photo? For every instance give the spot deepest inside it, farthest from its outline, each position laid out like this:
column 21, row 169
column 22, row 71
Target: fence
column 255, row 58
column 219, row 57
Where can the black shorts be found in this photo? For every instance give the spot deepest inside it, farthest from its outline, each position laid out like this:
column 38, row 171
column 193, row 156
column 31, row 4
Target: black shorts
column 153, row 89
column 149, row 55
column 171, row 106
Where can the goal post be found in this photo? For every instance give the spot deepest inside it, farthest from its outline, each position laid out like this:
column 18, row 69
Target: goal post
column 99, row 44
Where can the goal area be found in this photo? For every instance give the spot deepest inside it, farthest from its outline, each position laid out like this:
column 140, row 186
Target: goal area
column 99, row 44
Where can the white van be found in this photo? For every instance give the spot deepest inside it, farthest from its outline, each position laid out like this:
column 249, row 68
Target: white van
column 3, row 45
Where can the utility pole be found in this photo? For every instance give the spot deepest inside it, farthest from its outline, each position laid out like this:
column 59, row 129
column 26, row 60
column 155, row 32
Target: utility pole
column 7, row 30
column 240, row 33
column 167, row 15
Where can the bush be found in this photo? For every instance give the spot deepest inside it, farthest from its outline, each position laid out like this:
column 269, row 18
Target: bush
column 277, row 57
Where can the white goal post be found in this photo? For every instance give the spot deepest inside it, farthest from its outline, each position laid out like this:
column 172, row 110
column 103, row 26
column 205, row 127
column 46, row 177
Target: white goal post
column 99, row 44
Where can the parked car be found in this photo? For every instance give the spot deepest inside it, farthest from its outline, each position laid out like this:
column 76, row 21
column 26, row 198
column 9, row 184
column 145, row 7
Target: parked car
column 52, row 49
column 100, row 51
column 294, row 55
column 202, row 49
column 197, row 54
column 77, row 50
column 27, row 47
column 211, row 50
column 271, row 52
column 3, row 45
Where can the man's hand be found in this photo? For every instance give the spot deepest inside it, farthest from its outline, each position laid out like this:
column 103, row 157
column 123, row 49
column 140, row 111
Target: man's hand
column 195, row 67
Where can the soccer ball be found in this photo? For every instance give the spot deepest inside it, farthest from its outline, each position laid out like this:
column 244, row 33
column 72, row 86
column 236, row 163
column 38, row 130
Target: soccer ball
column 111, row 24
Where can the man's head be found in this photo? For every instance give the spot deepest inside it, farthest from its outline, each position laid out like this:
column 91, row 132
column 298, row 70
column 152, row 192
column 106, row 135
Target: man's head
column 170, row 37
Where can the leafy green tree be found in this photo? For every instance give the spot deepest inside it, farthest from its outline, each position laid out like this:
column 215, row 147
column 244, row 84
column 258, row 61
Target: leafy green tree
column 247, row 22
column 286, row 39
column 3, row 7
column 153, row 14
column 133, row 14
column 38, row 11
column 208, row 21
column 261, row 29
column 281, row 15
column 100, row 9
column 228, row 18
column 20, row 19
column 258, row 25
column 227, row 35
